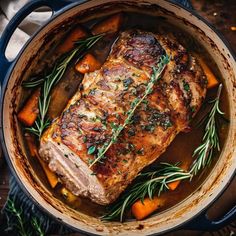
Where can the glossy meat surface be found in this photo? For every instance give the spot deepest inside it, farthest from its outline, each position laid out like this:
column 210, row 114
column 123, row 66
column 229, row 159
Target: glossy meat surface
column 101, row 104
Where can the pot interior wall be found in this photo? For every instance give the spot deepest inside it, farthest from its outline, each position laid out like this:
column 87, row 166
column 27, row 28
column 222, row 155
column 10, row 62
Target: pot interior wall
column 31, row 59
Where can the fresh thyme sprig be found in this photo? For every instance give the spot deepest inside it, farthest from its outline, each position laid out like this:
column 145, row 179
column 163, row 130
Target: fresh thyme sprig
column 155, row 76
column 52, row 79
column 210, row 140
column 151, row 183
column 148, row 184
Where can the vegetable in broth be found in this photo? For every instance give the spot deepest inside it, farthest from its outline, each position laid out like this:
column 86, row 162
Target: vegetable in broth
column 148, row 192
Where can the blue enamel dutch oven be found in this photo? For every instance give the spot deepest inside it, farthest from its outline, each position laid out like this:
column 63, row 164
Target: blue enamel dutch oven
column 188, row 214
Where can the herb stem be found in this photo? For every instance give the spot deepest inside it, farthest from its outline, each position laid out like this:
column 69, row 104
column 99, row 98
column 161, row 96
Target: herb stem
column 10, row 207
column 155, row 182
column 148, row 184
column 210, row 140
column 156, row 75
column 36, row 225
column 52, row 79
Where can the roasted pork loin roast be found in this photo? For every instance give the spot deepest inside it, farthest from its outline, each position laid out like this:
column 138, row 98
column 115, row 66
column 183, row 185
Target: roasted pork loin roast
column 103, row 100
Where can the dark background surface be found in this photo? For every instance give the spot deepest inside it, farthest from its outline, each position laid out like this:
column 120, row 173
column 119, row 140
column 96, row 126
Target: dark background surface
column 222, row 15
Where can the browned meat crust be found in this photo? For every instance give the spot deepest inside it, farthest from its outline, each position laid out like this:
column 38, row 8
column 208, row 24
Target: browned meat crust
column 102, row 102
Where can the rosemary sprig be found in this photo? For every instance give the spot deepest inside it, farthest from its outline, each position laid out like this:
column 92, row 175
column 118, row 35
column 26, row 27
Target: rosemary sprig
column 148, row 184
column 32, row 83
column 52, row 79
column 36, row 225
column 155, row 76
column 20, row 224
column 210, row 140
column 152, row 183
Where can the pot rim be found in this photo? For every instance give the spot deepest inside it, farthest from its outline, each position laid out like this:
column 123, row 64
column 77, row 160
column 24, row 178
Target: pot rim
column 3, row 92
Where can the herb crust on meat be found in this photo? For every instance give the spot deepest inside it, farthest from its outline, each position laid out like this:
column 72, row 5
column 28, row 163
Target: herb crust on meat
column 102, row 102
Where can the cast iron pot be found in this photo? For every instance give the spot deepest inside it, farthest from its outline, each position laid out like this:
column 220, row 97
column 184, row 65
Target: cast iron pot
column 13, row 72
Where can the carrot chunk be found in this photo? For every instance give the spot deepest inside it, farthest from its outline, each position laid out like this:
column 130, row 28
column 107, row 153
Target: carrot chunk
column 109, row 25
column 173, row 185
column 141, row 210
column 52, row 178
column 28, row 114
column 211, row 79
column 88, row 64
column 68, row 43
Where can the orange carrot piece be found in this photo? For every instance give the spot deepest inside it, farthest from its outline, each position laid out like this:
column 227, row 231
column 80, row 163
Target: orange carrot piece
column 173, row 185
column 73, row 36
column 88, row 64
column 141, row 210
column 109, row 25
column 28, row 114
column 211, row 79
column 52, row 178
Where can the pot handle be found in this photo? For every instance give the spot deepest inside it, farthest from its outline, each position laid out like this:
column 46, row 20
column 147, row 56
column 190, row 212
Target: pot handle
column 184, row 3
column 203, row 223
column 55, row 5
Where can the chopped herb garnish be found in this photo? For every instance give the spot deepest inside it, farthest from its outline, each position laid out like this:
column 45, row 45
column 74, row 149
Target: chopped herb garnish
column 140, row 151
column 84, row 139
column 145, row 101
column 166, row 123
column 155, row 182
column 131, row 146
column 186, row 86
column 149, row 128
column 98, row 129
column 114, row 126
column 193, row 109
column 155, row 76
column 91, row 150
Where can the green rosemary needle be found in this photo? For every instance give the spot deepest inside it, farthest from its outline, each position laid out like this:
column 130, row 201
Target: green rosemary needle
column 155, row 182
column 37, row 227
column 32, row 83
column 148, row 184
column 210, row 140
column 156, row 75
column 17, row 213
column 19, row 223
column 52, row 79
